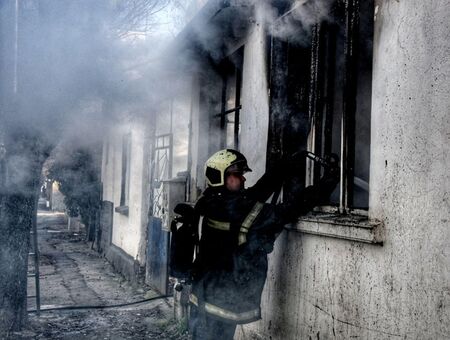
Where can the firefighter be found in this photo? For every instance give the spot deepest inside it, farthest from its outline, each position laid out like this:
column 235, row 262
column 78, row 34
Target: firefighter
column 238, row 230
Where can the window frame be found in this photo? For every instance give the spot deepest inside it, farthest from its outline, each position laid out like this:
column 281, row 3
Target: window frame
column 224, row 68
column 312, row 140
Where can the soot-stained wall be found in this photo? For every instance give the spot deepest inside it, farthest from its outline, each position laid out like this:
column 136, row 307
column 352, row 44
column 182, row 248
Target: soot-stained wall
column 321, row 287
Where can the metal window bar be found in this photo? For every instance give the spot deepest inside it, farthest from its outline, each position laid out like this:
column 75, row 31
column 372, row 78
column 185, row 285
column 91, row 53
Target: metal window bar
column 330, row 45
column 321, row 99
column 163, row 154
column 349, row 105
column 315, row 96
column 321, row 93
column 234, row 109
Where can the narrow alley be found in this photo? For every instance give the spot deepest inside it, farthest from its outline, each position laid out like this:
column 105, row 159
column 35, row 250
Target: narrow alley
column 72, row 274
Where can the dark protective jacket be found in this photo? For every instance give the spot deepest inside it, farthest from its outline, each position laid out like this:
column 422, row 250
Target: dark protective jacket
column 238, row 231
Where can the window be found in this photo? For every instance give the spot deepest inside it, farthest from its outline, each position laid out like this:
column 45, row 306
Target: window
column 125, row 181
column 230, row 71
column 161, row 170
column 321, row 78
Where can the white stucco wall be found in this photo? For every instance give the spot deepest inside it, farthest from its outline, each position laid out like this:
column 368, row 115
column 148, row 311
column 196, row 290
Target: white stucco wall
column 197, row 147
column 255, row 104
column 128, row 231
column 322, row 287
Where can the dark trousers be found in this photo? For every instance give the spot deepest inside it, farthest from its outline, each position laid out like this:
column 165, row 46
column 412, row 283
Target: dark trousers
column 204, row 327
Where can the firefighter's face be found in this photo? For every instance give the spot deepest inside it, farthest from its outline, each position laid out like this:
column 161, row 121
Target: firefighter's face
column 235, row 181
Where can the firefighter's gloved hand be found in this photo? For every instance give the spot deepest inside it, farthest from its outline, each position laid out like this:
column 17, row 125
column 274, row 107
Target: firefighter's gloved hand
column 185, row 212
column 286, row 166
column 332, row 170
column 295, row 163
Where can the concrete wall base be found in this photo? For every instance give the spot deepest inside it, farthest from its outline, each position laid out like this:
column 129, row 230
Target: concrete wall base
column 106, row 223
column 125, row 265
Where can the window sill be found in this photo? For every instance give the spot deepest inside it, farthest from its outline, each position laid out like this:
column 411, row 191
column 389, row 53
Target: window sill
column 350, row 227
column 123, row 209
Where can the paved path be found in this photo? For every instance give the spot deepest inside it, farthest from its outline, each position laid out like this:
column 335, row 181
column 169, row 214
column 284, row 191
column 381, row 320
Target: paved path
column 72, row 274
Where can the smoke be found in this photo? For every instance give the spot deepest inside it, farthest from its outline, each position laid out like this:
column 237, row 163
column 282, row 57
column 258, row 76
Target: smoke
column 71, row 69
column 295, row 22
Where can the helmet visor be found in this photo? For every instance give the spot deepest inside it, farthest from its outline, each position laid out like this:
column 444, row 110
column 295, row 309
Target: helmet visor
column 240, row 167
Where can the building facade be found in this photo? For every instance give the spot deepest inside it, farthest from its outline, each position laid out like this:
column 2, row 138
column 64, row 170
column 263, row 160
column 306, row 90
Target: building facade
column 365, row 80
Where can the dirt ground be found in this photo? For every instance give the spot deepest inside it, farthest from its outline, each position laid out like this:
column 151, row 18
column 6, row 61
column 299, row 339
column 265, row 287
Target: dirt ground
column 72, row 274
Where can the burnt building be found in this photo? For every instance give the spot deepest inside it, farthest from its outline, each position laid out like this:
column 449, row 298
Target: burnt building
column 367, row 80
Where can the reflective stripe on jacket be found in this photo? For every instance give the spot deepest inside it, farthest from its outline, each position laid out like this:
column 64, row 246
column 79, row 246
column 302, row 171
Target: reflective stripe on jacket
column 224, row 286
column 237, row 234
column 243, row 317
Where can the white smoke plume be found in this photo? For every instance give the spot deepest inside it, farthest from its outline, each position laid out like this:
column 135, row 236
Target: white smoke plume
column 296, row 21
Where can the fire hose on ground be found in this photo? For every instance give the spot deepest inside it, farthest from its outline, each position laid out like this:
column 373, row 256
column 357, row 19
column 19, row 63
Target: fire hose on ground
column 102, row 306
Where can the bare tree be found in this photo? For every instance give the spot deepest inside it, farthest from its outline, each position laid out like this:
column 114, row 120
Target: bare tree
column 136, row 15
column 58, row 67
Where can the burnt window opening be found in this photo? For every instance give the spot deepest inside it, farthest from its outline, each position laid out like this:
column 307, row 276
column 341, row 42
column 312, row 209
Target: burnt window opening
column 125, row 181
column 321, row 80
column 230, row 71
